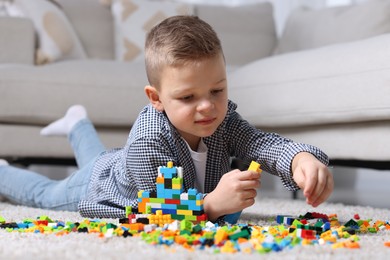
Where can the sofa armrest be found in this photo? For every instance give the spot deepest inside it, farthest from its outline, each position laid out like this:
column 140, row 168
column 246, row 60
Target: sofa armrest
column 17, row 41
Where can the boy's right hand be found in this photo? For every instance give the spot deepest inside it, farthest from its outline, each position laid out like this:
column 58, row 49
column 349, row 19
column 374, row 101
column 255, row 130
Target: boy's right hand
column 235, row 191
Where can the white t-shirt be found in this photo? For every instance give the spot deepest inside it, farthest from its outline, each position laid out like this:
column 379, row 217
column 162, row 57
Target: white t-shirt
column 199, row 158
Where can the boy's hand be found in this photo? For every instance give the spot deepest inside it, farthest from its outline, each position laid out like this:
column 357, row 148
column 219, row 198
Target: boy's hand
column 313, row 177
column 235, row 191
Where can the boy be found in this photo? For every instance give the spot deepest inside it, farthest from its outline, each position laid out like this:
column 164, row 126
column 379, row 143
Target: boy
column 189, row 121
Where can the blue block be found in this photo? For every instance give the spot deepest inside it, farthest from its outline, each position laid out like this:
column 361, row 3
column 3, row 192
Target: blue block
column 168, row 173
column 192, row 192
column 146, row 194
column 169, row 206
column 169, row 211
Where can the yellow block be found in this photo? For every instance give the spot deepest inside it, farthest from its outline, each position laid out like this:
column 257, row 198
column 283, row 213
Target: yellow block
column 199, row 202
column 177, row 186
column 184, row 212
column 254, row 166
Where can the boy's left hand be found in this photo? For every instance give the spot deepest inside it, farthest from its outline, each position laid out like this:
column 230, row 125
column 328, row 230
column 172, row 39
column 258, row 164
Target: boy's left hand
column 313, row 177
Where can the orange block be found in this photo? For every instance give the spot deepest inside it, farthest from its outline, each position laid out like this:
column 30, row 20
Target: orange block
column 160, row 180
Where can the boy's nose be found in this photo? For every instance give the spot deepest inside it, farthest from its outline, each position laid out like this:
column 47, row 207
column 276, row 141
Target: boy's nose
column 205, row 105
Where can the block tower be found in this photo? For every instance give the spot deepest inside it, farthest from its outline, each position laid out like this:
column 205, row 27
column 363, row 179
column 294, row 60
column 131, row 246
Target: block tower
column 171, row 198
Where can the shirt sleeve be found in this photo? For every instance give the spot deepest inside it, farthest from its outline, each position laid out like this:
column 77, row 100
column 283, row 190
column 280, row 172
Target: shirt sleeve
column 274, row 152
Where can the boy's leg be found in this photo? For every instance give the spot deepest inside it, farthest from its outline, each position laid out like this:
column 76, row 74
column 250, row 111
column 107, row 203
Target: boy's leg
column 31, row 189
column 85, row 142
column 82, row 135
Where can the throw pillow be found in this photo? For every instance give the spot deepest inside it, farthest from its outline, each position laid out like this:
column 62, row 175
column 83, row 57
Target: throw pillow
column 306, row 29
column 56, row 37
column 134, row 18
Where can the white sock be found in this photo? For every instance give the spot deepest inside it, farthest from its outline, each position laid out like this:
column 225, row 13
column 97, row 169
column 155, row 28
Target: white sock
column 63, row 125
column 3, row 162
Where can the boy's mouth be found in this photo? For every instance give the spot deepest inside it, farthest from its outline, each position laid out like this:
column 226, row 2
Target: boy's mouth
column 205, row 121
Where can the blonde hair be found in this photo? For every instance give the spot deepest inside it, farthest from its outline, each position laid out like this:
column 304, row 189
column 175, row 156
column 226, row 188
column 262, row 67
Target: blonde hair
column 176, row 41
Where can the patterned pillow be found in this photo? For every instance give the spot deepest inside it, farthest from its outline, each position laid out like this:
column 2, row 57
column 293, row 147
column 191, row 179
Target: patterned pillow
column 134, row 18
column 56, row 37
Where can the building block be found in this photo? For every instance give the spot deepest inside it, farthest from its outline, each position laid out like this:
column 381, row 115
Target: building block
column 254, row 166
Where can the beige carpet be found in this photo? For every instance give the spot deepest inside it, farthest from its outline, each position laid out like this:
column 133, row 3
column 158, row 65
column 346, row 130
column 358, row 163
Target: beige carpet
column 90, row 246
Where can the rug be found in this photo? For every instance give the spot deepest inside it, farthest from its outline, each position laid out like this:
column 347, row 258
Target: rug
column 17, row 245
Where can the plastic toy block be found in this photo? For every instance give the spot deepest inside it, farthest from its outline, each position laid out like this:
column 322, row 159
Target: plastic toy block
column 184, row 212
column 2, row 220
column 197, row 212
column 128, row 211
column 167, row 183
column 190, row 218
column 184, row 196
column 160, row 180
column 177, row 186
column 157, row 200
column 180, row 172
column 172, row 201
column 182, row 206
column 169, row 206
column 177, row 180
column 243, row 233
column 254, row 166
column 199, row 203
column 192, row 192
column 185, row 225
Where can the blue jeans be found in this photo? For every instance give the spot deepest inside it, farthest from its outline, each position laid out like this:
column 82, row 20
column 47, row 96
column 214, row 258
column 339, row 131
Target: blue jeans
column 32, row 189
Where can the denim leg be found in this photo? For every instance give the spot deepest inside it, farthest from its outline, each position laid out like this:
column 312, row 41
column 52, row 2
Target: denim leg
column 85, row 142
column 32, row 189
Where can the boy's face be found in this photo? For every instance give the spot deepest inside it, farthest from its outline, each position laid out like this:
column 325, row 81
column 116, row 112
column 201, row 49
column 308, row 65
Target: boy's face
column 194, row 97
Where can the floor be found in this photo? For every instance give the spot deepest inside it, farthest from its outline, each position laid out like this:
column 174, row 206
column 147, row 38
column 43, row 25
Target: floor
column 353, row 186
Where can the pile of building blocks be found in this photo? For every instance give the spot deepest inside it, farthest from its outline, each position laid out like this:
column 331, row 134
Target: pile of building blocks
column 171, row 199
column 170, row 202
column 171, row 216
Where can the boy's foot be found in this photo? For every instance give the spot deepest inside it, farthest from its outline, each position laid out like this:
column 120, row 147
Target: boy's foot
column 63, row 125
column 3, row 162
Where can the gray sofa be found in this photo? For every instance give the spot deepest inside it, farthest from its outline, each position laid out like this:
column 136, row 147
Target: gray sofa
column 332, row 93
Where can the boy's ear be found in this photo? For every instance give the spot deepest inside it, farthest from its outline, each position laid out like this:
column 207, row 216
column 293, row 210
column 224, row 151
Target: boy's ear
column 154, row 97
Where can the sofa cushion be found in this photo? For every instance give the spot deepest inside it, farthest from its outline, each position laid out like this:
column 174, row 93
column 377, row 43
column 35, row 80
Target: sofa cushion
column 94, row 30
column 133, row 19
column 46, row 92
column 341, row 83
column 19, row 41
column 307, row 28
column 56, row 37
column 247, row 32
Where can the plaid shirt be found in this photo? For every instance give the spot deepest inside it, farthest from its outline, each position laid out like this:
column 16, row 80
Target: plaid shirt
column 119, row 174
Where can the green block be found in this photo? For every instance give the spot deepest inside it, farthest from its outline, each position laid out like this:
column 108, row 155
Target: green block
column 191, row 197
column 176, row 196
column 177, row 217
column 157, row 200
column 185, row 225
column 46, row 218
column 2, row 220
column 128, row 211
column 177, row 181
column 241, row 234
column 190, row 218
column 196, row 229
column 182, row 207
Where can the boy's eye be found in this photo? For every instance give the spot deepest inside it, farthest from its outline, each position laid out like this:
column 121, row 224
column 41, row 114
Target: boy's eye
column 186, row 98
column 216, row 91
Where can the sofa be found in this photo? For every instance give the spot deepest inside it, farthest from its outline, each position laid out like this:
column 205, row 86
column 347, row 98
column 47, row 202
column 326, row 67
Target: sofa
column 323, row 81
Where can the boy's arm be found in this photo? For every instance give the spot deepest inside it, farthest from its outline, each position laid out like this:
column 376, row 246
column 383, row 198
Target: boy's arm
column 274, row 152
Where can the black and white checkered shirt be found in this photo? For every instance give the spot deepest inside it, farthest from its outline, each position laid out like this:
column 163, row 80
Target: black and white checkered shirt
column 153, row 141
